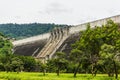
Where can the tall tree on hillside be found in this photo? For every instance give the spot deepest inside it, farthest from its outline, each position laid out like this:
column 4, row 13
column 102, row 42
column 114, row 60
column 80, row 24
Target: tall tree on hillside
column 108, row 58
column 77, row 56
column 91, row 41
column 59, row 62
column 16, row 64
column 86, row 45
column 5, row 51
column 29, row 63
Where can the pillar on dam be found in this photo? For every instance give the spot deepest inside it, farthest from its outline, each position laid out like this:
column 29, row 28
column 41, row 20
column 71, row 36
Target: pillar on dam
column 65, row 31
column 53, row 35
column 60, row 33
column 57, row 34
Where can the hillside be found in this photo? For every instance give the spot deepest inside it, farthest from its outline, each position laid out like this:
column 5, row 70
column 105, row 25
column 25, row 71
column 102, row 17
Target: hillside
column 19, row 31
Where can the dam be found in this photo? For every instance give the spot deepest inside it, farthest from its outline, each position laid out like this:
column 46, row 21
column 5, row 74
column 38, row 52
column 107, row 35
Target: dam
column 60, row 39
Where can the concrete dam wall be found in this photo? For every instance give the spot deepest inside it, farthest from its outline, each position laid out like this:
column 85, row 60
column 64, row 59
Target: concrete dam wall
column 60, row 39
column 30, row 46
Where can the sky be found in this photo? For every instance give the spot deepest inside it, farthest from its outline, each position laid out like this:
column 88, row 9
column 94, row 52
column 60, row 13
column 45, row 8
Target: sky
column 72, row 12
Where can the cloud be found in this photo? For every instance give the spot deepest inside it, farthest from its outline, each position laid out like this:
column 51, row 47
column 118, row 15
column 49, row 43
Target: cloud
column 56, row 8
column 18, row 17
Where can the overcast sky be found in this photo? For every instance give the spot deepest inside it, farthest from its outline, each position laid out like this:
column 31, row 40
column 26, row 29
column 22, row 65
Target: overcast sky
column 57, row 11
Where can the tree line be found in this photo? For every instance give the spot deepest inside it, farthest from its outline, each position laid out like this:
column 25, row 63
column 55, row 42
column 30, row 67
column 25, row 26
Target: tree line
column 20, row 31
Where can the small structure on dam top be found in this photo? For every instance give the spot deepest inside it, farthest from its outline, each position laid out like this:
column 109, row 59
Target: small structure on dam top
column 60, row 39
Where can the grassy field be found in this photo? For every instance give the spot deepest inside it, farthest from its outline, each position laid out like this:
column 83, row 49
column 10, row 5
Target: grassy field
column 51, row 76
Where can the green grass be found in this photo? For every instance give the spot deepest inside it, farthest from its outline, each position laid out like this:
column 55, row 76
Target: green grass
column 51, row 76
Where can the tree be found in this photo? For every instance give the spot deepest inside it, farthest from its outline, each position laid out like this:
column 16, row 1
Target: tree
column 5, row 52
column 77, row 56
column 89, row 46
column 108, row 59
column 7, row 67
column 1, row 67
column 59, row 62
column 43, row 68
column 29, row 63
column 5, row 46
column 17, row 64
column 50, row 66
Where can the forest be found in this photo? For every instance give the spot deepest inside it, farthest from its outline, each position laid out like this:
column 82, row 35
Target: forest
column 20, row 31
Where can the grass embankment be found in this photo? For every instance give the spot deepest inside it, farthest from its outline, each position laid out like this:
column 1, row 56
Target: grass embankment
column 51, row 76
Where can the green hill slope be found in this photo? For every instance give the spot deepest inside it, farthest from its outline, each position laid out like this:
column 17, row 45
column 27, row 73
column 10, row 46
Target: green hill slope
column 20, row 31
